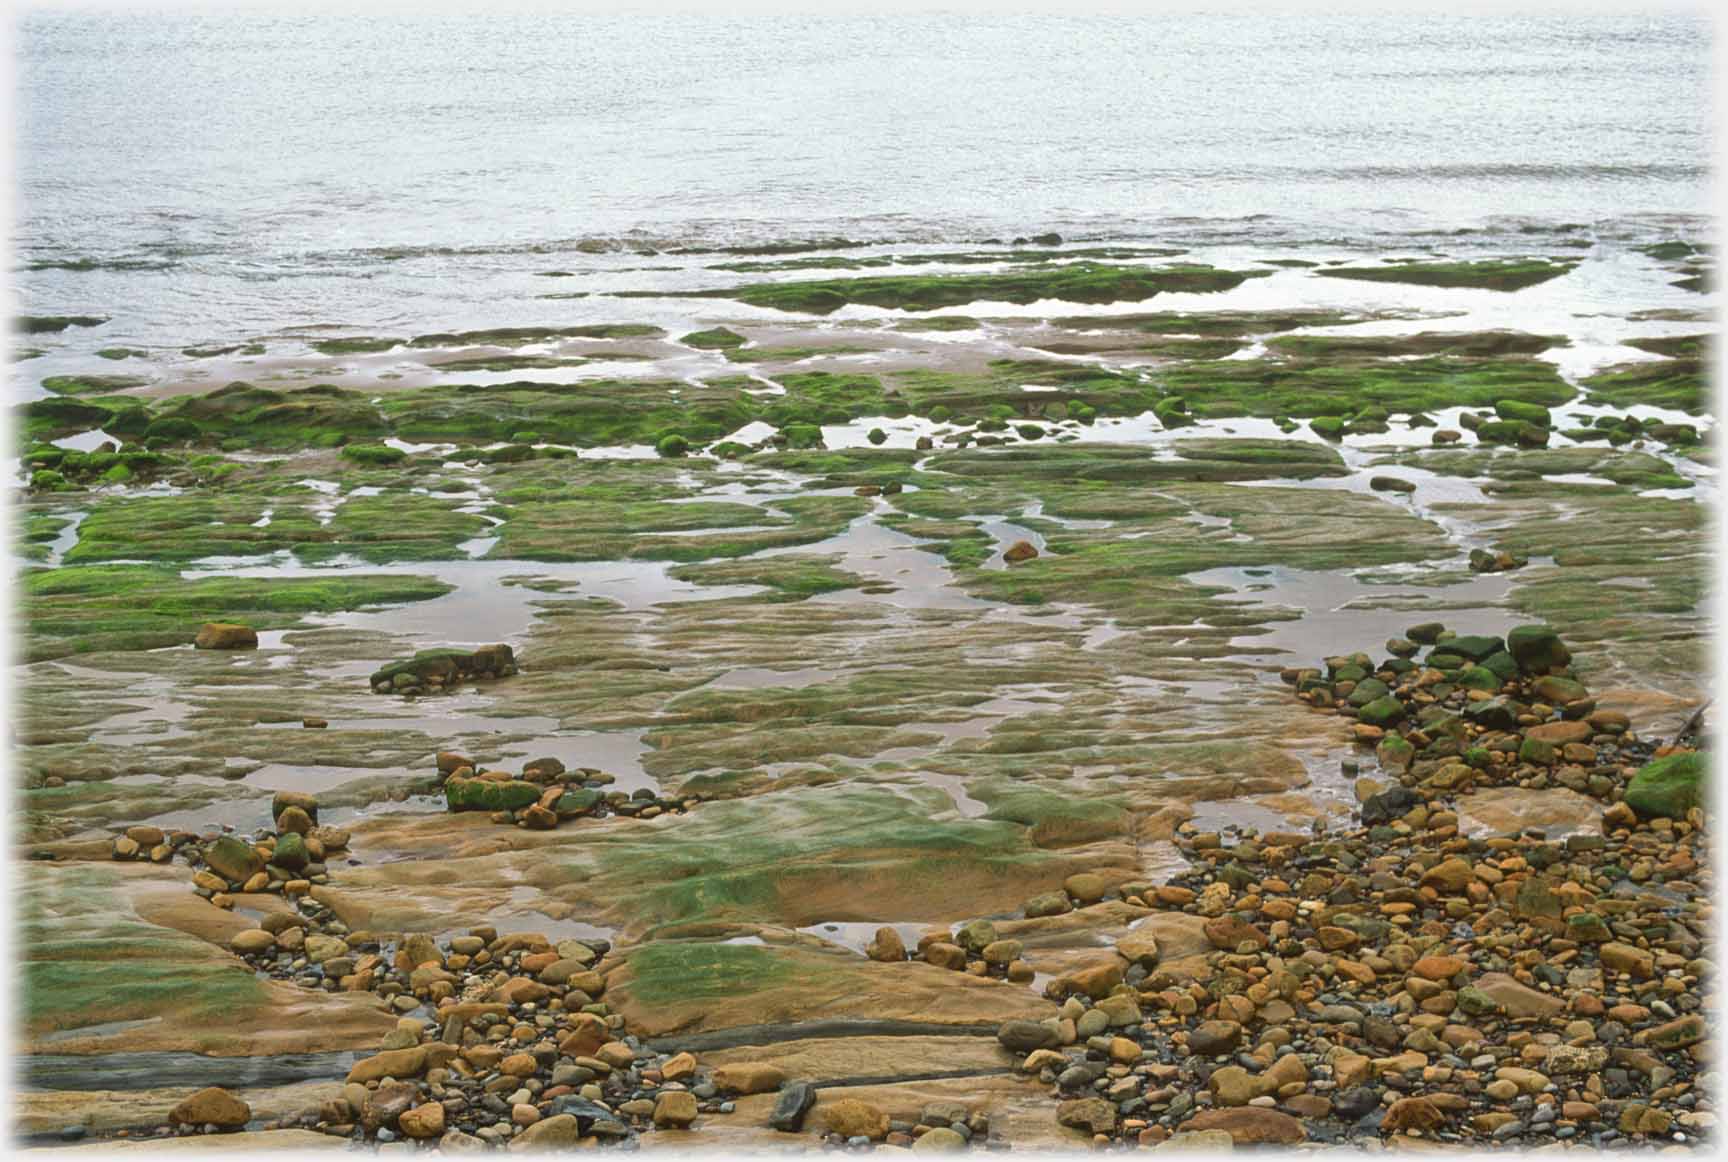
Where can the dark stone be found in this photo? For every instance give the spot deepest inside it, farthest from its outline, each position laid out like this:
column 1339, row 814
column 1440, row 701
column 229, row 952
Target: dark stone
column 790, row 1106
column 1355, row 1102
column 1390, row 804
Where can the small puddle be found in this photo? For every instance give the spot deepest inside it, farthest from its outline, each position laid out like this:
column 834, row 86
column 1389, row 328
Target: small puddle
column 1341, row 613
column 856, row 935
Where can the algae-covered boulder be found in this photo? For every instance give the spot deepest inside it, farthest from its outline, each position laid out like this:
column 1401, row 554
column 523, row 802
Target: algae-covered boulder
column 1382, row 711
column 222, row 635
column 1537, row 649
column 490, row 794
column 1494, row 714
column 1668, row 787
column 1479, row 678
column 291, row 852
column 1529, row 413
column 440, row 669
column 233, row 859
column 576, row 801
column 1475, row 647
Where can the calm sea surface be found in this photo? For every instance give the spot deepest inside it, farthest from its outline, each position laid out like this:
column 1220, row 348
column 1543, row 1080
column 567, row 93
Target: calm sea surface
column 212, row 174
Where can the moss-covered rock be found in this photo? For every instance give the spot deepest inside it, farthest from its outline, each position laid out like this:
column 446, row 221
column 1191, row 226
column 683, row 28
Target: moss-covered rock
column 1537, row 649
column 1670, row 786
column 490, row 794
column 1382, row 712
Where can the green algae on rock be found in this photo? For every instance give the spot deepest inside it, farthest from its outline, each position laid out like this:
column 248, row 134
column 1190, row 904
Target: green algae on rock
column 1670, row 786
column 82, row 609
column 1500, row 274
column 1082, row 282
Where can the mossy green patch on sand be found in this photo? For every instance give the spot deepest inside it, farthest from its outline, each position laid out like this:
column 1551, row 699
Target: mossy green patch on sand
column 1173, row 348
column 822, row 397
column 1054, row 819
column 939, row 323
column 951, row 258
column 213, row 350
column 790, row 578
column 52, row 324
column 188, row 526
column 1083, row 282
column 1200, row 459
column 1211, row 324
column 361, row 345
column 79, row 609
column 1465, row 344
column 1500, row 274
column 847, row 467
column 310, row 417
column 88, row 959
column 588, row 414
column 46, row 419
column 513, row 363
column 780, row 857
column 664, row 972
column 1676, row 346
column 1671, row 251
column 1000, row 392
column 1680, row 384
column 791, row 354
column 396, row 526
column 1633, row 469
column 118, row 353
column 1268, row 387
column 514, row 336
column 713, row 339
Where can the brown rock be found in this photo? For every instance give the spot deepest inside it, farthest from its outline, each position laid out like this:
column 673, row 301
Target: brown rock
column 1516, row 999
column 222, row 635
column 886, row 946
column 1439, row 967
column 1249, row 1125
column 851, row 1118
column 423, row 1121
column 1617, row 957
column 1019, row 551
column 214, row 1106
column 1094, row 1115
column 1231, row 932
column 1412, row 1113
column 555, row 1133
column 746, row 1077
column 675, row 1108
column 679, row 1068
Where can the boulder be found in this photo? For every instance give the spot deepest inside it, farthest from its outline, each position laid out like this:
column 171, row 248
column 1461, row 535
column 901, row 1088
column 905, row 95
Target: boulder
column 852, row 1118
column 886, row 946
column 444, row 669
column 214, row 1106
column 490, row 794
column 233, row 859
column 747, row 1077
column 1668, row 787
column 223, row 635
column 1537, row 649
column 790, row 1106
column 1093, row 1115
column 1249, row 1125
column 423, row 1121
column 675, row 1108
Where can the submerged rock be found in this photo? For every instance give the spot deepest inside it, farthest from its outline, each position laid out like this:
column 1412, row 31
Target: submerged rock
column 442, row 669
